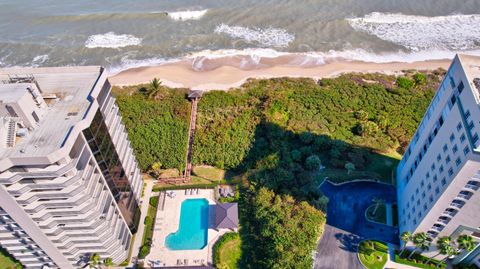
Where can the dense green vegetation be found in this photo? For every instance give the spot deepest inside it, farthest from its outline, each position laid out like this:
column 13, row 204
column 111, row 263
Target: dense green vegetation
column 419, row 261
column 157, row 128
column 7, row 261
column 372, row 254
column 149, row 224
column 277, row 231
column 227, row 251
column 284, row 137
column 343, row 120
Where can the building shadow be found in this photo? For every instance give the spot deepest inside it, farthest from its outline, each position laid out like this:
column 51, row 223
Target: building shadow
column 277, row 160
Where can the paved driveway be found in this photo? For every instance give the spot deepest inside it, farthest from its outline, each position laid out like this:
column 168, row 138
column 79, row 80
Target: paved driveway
column 346, row 223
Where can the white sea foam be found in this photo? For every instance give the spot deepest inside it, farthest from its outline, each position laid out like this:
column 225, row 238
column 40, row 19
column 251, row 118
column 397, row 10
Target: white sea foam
column 268, row 37
column 453, row 32
column 187, row 15
column 112, row 40
column 127, row 63
column 40, row 59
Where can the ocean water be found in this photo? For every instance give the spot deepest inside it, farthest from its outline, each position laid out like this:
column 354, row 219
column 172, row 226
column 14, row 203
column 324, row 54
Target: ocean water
column 121, row 34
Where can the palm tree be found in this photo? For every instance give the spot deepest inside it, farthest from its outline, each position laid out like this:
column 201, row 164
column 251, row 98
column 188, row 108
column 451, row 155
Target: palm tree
column 108, row 262
column 420, row 240
column 405, row 237
column 445, row 247
column 441, row 243
column 465, row 242
column 94, row 260
column 154, row 87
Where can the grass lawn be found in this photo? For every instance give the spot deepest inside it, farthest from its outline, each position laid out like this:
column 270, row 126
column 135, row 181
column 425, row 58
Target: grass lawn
column 380, row 214
column 7, row 261
column 372, row 254
column 166, row 173
column 209, row 172
column 227, row 251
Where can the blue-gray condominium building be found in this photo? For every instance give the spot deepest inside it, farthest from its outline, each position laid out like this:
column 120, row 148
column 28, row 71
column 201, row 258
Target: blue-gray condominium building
column 438, row 179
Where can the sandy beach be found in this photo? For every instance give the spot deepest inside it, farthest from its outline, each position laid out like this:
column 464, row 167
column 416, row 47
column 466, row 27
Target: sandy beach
column 224, row 75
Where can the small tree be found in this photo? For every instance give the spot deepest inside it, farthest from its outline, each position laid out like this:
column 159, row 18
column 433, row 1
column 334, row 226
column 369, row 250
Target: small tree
column 94, row 260
column 405, row 237
column 108, row 262
column 313, row 163
column 350, row 167
column 361, row 115
column 156, row 168
column 296, row 155
column 420, row 240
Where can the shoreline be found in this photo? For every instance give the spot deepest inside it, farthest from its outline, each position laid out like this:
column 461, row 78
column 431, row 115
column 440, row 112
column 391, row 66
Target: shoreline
column 182, row 74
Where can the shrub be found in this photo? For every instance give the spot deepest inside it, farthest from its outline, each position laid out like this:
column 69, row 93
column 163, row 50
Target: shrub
column 405, row 83
column 219, row 244
column 420, row 79
column 313, row 163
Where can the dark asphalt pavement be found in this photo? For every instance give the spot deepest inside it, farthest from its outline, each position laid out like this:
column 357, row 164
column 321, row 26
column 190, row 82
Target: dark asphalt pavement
column 347, row 225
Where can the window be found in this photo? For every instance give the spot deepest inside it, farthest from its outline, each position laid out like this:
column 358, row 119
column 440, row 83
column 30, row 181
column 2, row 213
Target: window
column 35, row 116
column 424, row 206
column 459, row 126
column 462, row 138
column 411, row 198
column 452, row 137
column 437, row 190
column 445, row 148
column 458, row 161
column 423, row 194
column 467, row 114
column 439, row 157
column 414, row 209
column 427, row 175
column 455, row 149
column 441, row 168
column 470, row 125
column 435, row 178
column 422, row 183
column 447, row 160
column 431, row 198
column 416, row 191
column 444, row 181
column 475, row 138
column 466, row 150
column 418, row 202
column 432, row 167
column 450, row 172
column 460, row 87
column 429, row 186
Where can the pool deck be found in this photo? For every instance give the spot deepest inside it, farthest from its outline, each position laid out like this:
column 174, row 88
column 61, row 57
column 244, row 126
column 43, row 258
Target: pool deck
column 167, row 222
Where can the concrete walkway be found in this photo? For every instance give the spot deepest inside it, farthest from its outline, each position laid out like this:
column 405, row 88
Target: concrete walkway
column 137, row 243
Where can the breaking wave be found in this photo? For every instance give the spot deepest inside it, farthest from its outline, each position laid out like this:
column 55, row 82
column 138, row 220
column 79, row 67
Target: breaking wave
column 453, row 32
column 112, row 40
column 268, row 37
column 187, row 15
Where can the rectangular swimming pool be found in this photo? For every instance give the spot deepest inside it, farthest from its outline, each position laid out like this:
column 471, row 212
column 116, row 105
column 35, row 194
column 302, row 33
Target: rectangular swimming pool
column 192, row 232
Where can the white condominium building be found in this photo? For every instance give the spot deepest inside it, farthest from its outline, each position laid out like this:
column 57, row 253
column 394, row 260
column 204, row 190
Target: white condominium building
column 69, row 182
column 438, row 178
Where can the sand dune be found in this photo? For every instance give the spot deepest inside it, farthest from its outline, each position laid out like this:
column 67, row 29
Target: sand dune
column 182, row 74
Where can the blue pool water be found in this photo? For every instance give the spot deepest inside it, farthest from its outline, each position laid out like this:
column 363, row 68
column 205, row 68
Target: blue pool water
column 192, row 232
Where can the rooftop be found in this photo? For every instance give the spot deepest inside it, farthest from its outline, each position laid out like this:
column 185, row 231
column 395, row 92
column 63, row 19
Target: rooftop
column 471, row 65
column 72, row 87
column 226, row 216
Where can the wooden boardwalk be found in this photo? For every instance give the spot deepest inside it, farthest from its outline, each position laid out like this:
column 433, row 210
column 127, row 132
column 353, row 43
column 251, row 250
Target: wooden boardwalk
column 194, row 99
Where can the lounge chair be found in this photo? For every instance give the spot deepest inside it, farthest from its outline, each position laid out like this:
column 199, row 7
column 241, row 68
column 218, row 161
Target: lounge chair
column 185, row 262
column 179, row 262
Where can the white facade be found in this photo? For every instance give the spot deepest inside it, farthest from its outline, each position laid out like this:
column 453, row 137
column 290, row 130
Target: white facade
column 438, row 178
column 69, row 183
